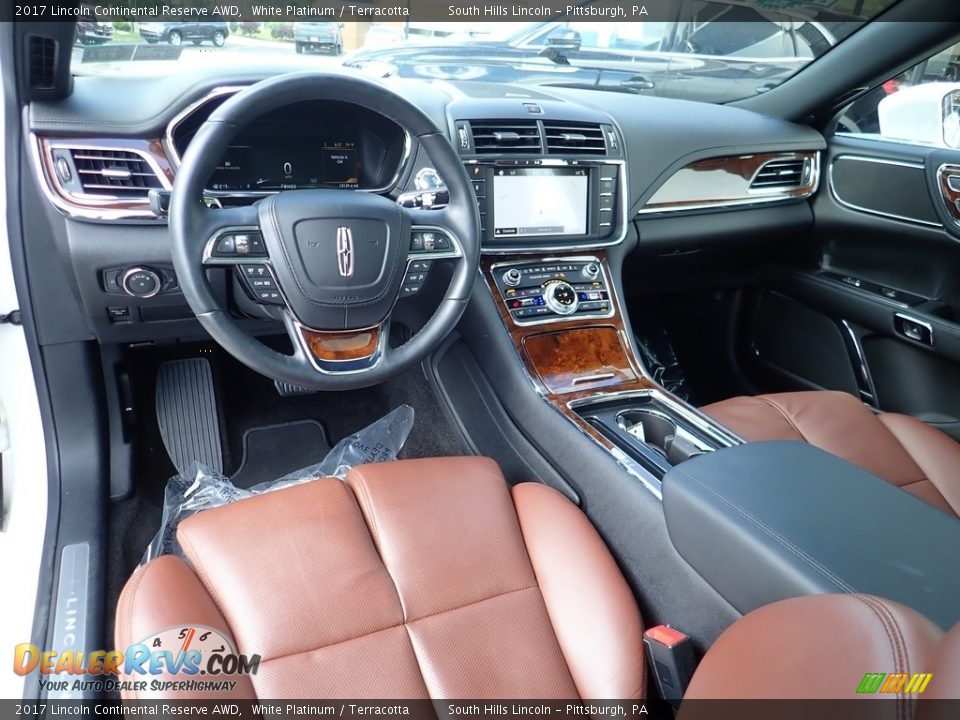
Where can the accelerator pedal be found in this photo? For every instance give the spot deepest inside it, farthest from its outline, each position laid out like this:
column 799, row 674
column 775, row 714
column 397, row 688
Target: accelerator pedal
column 187, row 414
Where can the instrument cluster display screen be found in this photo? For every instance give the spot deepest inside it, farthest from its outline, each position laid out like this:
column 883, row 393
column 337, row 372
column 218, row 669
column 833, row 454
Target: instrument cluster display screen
column 288, row 164
column 540, row 201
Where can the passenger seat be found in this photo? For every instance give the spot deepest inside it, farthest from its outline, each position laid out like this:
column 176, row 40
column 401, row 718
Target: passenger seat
column 898, row 448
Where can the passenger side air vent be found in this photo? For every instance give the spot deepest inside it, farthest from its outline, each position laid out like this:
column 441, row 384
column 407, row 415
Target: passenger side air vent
column 505, row 137
column 43, row 58
column 117, row 173
column 574, row 138
column 782, row 175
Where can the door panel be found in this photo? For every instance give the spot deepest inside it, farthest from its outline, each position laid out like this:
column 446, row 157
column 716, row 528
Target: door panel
column 878, row 313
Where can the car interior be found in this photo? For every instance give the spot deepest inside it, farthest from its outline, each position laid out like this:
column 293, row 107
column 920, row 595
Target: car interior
column 671, row 363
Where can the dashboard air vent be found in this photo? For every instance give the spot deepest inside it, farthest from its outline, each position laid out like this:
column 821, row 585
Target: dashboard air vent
column 505, row 137
column 117, row 173
column 782, row 175
column 43, row 58
column 573, row 137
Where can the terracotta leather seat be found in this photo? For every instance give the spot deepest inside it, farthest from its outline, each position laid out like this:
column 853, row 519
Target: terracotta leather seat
column 430, row 578
column 900, row 449
column 412, row 579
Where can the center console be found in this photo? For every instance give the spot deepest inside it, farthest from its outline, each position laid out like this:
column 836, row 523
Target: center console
column 551, row 191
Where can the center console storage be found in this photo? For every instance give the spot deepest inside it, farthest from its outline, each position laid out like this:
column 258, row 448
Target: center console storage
column 770, row 520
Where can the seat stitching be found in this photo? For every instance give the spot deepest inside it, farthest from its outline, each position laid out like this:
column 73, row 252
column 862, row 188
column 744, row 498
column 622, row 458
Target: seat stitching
column 127, row 623
column 823, row 570
column 403, row 624
column 926, row 475
column 894, row 637
column 782, row 413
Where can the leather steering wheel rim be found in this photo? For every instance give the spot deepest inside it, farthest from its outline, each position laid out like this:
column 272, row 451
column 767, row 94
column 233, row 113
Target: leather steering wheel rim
column 192, row 226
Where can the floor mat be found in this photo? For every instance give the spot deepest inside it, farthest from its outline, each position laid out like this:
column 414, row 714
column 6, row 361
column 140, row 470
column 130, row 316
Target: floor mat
column 272, row 451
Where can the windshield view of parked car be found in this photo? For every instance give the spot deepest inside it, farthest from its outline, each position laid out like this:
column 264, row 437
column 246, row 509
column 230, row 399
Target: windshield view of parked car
column 395, row 357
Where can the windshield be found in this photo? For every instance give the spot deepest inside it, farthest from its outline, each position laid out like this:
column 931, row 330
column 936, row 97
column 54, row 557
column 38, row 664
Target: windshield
column 709, row 50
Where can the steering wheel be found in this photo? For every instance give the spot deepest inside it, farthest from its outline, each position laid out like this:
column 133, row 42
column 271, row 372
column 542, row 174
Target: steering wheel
column 331, row 263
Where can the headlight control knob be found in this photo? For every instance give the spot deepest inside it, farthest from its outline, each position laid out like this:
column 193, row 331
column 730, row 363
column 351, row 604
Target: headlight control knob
column 512, row 277
column 141, row 282
column 561, row 298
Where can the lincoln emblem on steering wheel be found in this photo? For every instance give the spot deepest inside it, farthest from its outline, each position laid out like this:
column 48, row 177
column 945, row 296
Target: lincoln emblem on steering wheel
column 345, row 251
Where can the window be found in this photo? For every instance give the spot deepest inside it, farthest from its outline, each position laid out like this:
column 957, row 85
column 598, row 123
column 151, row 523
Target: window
column 920, row 106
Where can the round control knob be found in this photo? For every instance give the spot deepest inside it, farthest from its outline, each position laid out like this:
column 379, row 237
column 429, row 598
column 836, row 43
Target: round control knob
column 141, row 282
column 591, row 271
column 512, row 277
column 561, row 298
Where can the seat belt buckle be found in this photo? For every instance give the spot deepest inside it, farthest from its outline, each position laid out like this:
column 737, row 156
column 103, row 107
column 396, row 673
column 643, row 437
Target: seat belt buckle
column 671, row 657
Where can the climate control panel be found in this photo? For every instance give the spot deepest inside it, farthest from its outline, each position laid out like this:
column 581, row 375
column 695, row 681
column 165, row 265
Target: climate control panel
column 553, row 289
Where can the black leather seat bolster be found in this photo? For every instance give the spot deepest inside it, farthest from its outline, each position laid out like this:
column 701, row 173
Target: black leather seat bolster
column 770, row 520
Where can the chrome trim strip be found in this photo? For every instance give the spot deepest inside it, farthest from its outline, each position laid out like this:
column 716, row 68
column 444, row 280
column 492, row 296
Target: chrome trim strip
column 565, row 318
column 175, row 158
column 753, row 197
column 572, row 247
column 950, row 170
column 870, row 211
column 868, row 391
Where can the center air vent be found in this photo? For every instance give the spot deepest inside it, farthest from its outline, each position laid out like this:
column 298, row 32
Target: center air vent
column 116, row 173
column 505, row 137
column 572, row 137
column 782, row 175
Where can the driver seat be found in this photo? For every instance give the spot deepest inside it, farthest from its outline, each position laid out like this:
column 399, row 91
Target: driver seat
column 412, row 579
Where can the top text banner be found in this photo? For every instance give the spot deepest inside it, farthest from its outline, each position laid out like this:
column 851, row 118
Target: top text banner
column 398, row 10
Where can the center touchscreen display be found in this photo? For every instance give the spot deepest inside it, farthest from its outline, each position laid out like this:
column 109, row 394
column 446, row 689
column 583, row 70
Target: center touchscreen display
column 540, row 201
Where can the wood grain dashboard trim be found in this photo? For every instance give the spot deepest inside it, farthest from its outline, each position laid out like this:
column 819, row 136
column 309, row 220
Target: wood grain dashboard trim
column 726, row 181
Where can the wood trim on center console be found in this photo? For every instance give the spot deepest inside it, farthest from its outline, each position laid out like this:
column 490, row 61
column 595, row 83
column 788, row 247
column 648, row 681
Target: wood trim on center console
column 572, row 359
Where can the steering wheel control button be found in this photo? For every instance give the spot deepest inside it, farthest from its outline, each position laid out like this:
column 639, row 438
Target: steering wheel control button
column 429, row 241
column 240, row 244
column 141, row 282
column 226, row 246
column 260, row 284
column 421, row 266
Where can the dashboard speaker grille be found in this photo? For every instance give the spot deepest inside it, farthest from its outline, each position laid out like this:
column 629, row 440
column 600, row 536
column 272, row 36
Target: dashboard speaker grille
column 573, row 137
column 119, row 173
column 498, row 137
column 43, row 58
column 782, row 174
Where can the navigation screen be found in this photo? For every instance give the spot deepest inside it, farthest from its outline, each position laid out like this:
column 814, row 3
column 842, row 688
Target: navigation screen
column 540, row 201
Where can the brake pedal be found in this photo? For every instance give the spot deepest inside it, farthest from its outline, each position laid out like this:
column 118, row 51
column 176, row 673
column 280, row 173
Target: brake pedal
column 187, row 414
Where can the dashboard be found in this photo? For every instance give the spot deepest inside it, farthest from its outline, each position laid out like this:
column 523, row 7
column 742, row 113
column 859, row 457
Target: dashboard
column 555, row 173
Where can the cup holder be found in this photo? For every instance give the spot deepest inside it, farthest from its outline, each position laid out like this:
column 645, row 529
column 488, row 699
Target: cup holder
column 662, row 434
column 654, row 433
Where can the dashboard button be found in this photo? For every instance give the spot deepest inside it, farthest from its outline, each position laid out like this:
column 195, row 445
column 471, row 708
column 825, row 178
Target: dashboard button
column 141, row 282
